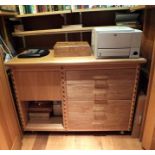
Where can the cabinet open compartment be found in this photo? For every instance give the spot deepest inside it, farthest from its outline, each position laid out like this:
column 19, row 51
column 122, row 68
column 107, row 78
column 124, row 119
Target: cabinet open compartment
column 42, row 115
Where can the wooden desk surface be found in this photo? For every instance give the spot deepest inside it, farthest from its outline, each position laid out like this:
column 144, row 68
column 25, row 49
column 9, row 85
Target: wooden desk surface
column 88, row 60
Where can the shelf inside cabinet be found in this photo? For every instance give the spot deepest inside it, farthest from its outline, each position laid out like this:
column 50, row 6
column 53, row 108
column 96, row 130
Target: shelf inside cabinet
column 101, row 9
column 53, row 124
column 43, row 14
column 42, row 115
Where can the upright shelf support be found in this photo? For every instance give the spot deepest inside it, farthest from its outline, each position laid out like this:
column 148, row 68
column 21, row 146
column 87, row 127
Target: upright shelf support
column 65, row 23
column 81, row 36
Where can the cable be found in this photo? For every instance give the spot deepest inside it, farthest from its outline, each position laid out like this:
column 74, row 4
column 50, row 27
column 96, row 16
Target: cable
column 9, row 52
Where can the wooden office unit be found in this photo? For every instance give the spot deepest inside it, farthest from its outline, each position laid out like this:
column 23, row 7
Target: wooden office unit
column 96, row 95
column 10, row 131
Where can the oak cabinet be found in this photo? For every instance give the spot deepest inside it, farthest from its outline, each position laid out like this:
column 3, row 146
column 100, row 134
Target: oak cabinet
column 93, row 94
column 92, row 99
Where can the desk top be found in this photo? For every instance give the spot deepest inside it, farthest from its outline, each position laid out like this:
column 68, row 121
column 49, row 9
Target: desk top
column 87, row 60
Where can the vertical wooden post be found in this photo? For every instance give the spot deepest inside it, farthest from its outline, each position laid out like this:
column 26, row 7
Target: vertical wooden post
column 149, row 125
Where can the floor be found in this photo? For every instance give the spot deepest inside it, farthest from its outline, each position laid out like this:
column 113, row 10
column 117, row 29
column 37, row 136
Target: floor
column 79, row 141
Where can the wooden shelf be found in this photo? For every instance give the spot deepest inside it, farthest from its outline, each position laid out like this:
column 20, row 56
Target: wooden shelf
column 69, row 11
column 53, row 124
column 52, row 31
column 43, row 14
column 6, row 13
column 50, row 60
column 55, row 31
column 134, row 8
column 101, row 9
column 138, row 7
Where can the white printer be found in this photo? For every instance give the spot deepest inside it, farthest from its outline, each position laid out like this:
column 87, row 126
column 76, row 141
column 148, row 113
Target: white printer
column 116, row 42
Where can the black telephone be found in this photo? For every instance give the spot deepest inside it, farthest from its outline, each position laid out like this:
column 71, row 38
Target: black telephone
column 33, row 53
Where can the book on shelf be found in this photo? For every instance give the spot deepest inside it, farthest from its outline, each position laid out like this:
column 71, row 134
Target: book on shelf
column 66, row 7
column 21, row 9
column 130, row 24
column 122, row 17
column 127, row 19
column 9, row 8
column 32, row 9
column 25, row 9
column 74, row 7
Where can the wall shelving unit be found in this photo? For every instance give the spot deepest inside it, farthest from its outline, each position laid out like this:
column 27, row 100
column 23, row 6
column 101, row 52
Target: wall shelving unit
column 53, row 28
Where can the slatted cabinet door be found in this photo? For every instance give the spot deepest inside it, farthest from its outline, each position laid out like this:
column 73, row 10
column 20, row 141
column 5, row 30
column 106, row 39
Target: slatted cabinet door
column 99, row 99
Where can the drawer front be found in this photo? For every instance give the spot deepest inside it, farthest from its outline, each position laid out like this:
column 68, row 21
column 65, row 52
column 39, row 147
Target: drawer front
column 80, row 115
column 80, row 85
column 114, row 84
column 114, row 89
column 112, row 115
column 106, row 84
column 80, row 90
column 38, row 85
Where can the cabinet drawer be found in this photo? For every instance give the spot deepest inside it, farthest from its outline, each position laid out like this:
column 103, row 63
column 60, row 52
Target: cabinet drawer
column 80, row 90
column 111, row 115
column 80, row 115
column 114, row 84
column 101, row 74
column 38, row 85
column 113, row 89
column 100, row 84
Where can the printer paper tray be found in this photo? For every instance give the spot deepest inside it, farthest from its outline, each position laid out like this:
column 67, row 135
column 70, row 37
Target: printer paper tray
column 123, row 52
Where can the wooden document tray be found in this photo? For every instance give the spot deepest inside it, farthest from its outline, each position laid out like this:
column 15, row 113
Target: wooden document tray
column 72, row 49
